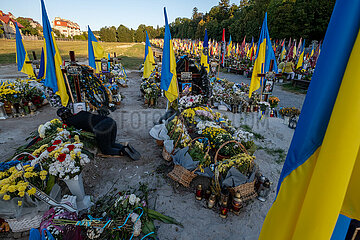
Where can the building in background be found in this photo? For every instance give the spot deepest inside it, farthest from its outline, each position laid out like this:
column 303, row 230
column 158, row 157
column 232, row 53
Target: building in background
column 66, row 27
column 7, row 25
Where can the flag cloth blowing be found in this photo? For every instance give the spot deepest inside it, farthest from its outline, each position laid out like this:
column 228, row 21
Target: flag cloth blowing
column 22, row 56
column 264, row 55
column 204, row 60
column 168, row 69
column 95, row 51
column 53, row 74
column 301, row 57
column 320, row 179
column 149, row 60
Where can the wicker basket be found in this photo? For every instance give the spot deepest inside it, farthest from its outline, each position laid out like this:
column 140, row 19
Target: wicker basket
column 182, row 175
column 246, row 190
column 25, row 223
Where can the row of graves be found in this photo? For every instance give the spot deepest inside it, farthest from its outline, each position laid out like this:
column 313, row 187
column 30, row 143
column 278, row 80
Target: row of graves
column 87, row 89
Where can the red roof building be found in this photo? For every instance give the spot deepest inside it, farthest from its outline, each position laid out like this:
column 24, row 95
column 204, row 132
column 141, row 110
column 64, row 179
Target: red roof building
column 66, row 27
column 7, row 24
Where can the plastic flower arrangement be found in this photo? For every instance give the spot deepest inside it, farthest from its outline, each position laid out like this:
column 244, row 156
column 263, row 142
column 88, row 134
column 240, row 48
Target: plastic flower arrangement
column 273, row 101
column 211, row 133
column 13, row 184
column 198, row 153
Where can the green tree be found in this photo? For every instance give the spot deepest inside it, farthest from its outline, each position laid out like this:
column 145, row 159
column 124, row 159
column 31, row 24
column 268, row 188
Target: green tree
column 124, row 34
column 27, row 29
column 108, row 34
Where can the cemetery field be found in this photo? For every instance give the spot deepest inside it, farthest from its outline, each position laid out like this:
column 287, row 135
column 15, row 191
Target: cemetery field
column 132, row 53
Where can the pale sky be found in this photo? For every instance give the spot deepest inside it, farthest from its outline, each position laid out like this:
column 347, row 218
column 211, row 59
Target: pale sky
column 100, row 13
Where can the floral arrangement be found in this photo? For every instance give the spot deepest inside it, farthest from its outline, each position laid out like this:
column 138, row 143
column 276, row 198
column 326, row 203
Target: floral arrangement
column 178, row 130
column 273, row 101
column 13, row 184
column 8, row 92
column 243, row 136
column 63, row 159
column 190, row 101
column 242, row 162
column 126, row 214
column 198, row 153
column 289, row 112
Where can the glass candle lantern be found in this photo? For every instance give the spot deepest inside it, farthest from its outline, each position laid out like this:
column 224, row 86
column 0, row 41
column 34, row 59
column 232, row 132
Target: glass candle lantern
column 264, row 190
column 236, row 203
column 212, row 201
column 198, row 193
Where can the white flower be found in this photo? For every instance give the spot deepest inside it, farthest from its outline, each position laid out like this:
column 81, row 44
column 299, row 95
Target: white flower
column 137, row 223
column 132, row 199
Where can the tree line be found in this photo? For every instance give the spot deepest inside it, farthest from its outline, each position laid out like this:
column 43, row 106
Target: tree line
column 286, row 19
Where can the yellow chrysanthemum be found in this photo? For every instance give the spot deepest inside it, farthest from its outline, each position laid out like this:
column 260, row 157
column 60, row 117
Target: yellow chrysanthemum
column 32, row 191
column 12, row 188
column 43, row 177
column 21, row 194
column 6, row 197
column 19, row 203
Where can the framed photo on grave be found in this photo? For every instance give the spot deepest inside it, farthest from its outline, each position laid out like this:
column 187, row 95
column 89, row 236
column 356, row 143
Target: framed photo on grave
column 78, row 107
column 186, row 87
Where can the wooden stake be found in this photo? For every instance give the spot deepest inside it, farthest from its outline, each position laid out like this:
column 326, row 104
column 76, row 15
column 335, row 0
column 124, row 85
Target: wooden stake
column 68, row 85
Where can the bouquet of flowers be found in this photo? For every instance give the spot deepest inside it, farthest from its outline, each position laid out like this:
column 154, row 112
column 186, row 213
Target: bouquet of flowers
column 13, row 184
column 8, row 92
column 273, row 101
column 242, row 162
column 189, row 101
column 63, row 157
column 289, row 112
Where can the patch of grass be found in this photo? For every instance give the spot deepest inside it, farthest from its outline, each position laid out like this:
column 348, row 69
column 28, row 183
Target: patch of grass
column 277, row 152
column 131, row 53
column 290, row 88
column 257, row 136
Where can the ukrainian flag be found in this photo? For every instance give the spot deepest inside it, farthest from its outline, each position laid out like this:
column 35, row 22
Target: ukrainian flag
column 95, row 51
column 168, row 68
column 229, row 47
column 264, row 54
column 283, row 52
column 22, row 56
column 42, row 65
column 205, row 53
column 312, row 50
column 149, row 59
column 53, row 74
column 321, row 176
column 301, row 57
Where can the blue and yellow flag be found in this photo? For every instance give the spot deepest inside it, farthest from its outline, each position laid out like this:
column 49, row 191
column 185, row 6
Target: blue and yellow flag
column 168, row 68
column 283, row 53
column 22, row 56
column 264, row 54
column 42, row 65
column 53, row 75
column 149, row 60
column 301, row 57
column 312, row 51
column 95, row 51
column 229, row 47
column 204, row 60
column 321, row 175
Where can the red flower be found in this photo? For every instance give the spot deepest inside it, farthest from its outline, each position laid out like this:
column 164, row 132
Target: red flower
column 56, row 142
column 31, row 157
column 61, row 157
column 64, row 125
column 69, row 136
column 50, row 149
column 71, row 147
